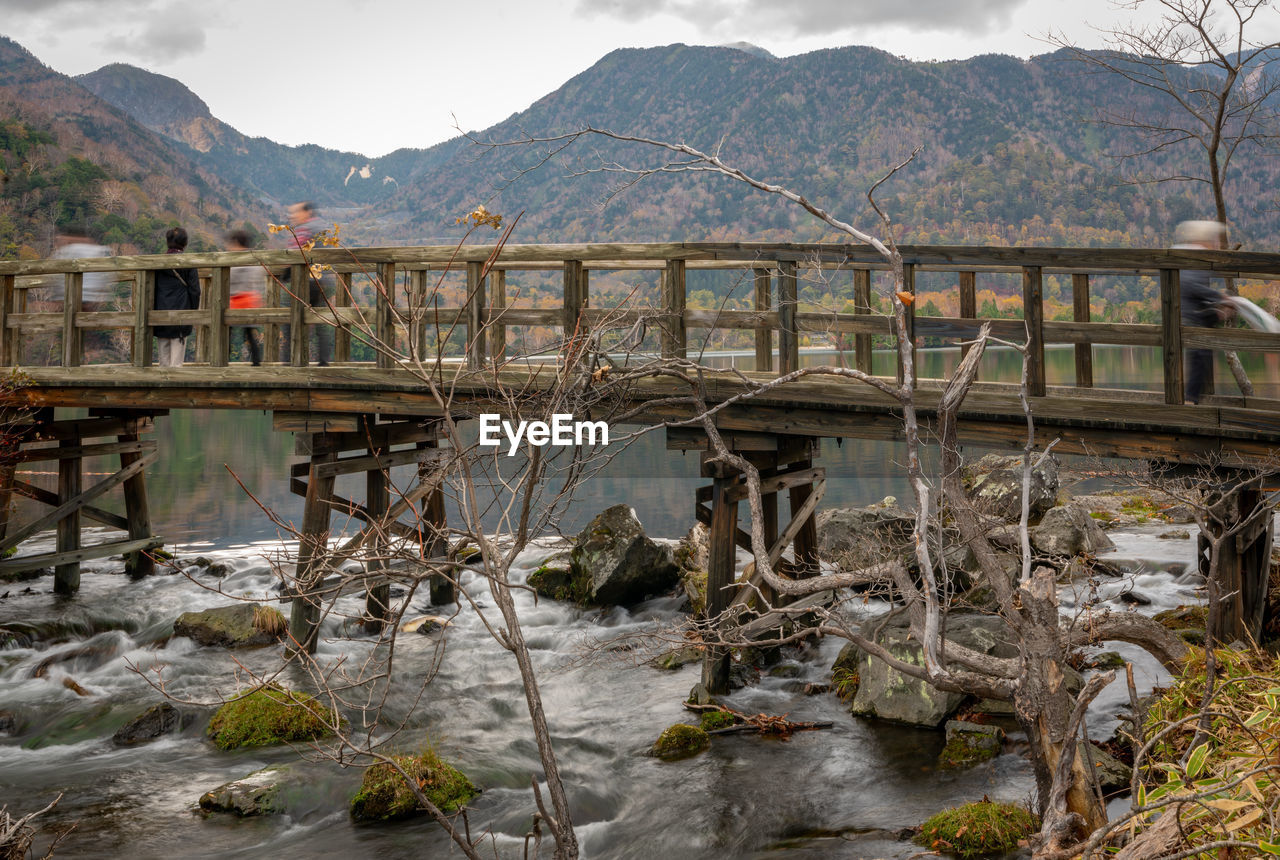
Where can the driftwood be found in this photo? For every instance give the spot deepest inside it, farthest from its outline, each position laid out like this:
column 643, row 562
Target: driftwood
column 765, row 724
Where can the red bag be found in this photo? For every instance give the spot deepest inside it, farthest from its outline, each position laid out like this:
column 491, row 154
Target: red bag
column 245, row 300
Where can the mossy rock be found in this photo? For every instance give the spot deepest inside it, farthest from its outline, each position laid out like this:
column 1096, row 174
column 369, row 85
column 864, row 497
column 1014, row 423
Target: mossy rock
column 681, row 657
column 969, row 744
column 269, row 716
column 680, row 741
column 1194, row 617
column 976, row 829
column 712, row 720
column 236, row 626
column 384, row 795
column 561, row 582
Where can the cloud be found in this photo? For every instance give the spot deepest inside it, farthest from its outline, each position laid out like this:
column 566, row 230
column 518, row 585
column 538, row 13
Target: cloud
column 813, row 17
column 166, row 34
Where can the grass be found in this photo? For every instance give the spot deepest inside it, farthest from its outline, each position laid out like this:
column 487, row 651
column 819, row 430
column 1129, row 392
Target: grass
column 268, row 716
column 384, row 794
column 978, row 828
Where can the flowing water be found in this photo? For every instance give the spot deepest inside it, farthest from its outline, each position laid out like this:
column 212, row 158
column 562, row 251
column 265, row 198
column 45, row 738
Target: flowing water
column 836, row 792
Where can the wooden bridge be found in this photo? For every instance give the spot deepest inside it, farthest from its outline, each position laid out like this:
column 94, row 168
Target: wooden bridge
column 487, row 321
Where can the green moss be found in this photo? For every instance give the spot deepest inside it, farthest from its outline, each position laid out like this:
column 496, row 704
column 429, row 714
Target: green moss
column 680, row 741
column 1105, row 516
column 967, row 749
column 845, row 682
column 571, row 584
column 384, row 794
column 978, row 828
column 268, row 716
column 712, row 720
column 1184, row 618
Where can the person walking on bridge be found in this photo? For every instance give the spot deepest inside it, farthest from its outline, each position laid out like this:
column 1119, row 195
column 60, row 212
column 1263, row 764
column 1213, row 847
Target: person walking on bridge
column 247, row 284
column 176, row 290
column 304, row 220
column 1202, row 305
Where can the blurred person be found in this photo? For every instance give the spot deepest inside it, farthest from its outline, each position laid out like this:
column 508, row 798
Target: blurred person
column 176, row 290
column 97, row 289
column 304, row 220
column 247, row 286
column 1202, row 305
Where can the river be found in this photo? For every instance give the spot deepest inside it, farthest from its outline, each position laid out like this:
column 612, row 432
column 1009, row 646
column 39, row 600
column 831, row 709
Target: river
column 829, row 793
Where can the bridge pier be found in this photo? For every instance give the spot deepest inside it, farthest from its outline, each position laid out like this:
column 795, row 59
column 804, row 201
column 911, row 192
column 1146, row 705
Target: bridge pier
column 785, row 463
column 72, row 503
column 1244, row 562
column 350, row 444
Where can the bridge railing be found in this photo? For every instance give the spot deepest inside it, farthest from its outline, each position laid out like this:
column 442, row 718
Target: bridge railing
column 403, row 304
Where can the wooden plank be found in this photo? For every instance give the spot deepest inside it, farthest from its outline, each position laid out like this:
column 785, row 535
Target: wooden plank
column 95, row 427
column 39, row 494
column 218, row 299
column 750, row 320
column 384, row 317
column 314, row 422
column 788, row 334
column 674, row 335
column 777, row 483
column 138, row 562
column 74, row 557
column 69, row 505
column 304, row 615
column 62, row 452
column 10, row 355
column 571, row 311
column 1081, row 314
column 1033, row 316
column 300, row 292
column 862, row 304
column 342, row 335
column 144, row 292
column 377, row 606
column 764, row 333
column 720, row 576
column 368, row 462
column 1171, row 325
column 497, row 321
column 696, row 439
column 66, row 575
column 271, row 333
column 799, row 519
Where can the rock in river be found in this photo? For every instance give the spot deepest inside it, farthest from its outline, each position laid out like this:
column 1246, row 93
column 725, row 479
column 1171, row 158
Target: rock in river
column 240, row 625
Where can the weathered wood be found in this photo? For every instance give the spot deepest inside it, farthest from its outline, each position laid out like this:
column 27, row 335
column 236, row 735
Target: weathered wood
column 138, row 562
column 497, row 324
column 788, row 334
column 300, row 289
column 10, row 353
column 342, row 336
column 381, row 460
column 909, row 312
column 764, row 333
column 1171, row 326
column 377, row 606
column 304, row 616
column 63, row 452
column 720, row 576
column 435, row 525
column 74, row 557
column 47, row 497
column 314, row 422
column 1081, row 313
column 1033, row 316
column 862, row 305
column 801, row 517
column 217, row 299
column 805, row 543
column 573, row 303
column 6, row 496
column 777, row 483
column 384, row 320
column 271, row 332
column 968, row 301
column 66, row 576
column 674, row 336
column 72, row 337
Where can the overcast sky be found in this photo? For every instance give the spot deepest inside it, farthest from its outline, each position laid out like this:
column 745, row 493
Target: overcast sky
column 376, row 75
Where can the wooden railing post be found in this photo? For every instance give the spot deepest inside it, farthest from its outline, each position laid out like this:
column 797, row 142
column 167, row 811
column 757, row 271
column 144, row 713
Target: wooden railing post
column 968, row 302
column 788, row 335
column 300, row 287
column 218, row 340
column 342, row 337
column 72, row 337
column 144, row 291
column 1033, row 316
column 1081, row 313
column 417, row 334
column 674, row 335
column 9, row 354
column 384, row 320
column 1171, row 334
column 66, row 576
column 909, row 312
column 475, row 315
column 497, row 329
column 764, row 334
column 862, row 305
column 271, row 334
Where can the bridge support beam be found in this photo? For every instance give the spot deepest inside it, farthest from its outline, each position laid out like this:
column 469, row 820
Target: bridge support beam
column 1244, row 564
column 71, row 503
column 785, row 463
column 350, row 444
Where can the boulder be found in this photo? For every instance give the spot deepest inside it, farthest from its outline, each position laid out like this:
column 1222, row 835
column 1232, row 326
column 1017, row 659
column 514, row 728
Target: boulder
column 256, row 794
column 8, row 723
column 385, row 796
column 617, row 564
column 692, row 558
column 995, row 484
column 855, row 537
column 886, row 693
column 155, row 721
column 269, row 715
column 969, row 744
column 241, row 625
column 1113, row 775
column 1068, row 530
column 679, row 742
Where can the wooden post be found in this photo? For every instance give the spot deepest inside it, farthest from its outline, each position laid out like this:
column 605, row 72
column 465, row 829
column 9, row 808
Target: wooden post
column 1244, row 566
column 201, row 351
column 764, row 333
column 909, row 311
column 1033, row 315
column 72, row 337
column 674, row 335
column 862, row 305
column 66, row 577
column 299, row 343
column 720, row 575
column 6, row 496
column 144, row 291
column 9, row 355
column 384, row 319
column 1081, row 313
column 769, row 511
column 138, row 563
column 377, row 604
column 342, row 336
column 968, row 302
column 435, row 543
column 271, row 333
column 475, row 312
column 498, row 329
column 304, row 617
column 417, row 334
column 788, row 336
column 1171, row 335
column 218, row 340
column 572, row 303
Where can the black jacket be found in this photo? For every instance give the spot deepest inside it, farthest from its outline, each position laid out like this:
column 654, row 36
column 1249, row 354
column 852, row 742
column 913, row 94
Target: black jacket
column 176, row 290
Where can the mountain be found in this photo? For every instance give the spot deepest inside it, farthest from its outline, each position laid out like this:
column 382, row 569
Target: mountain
column 69, row 160
column 276, row 173
column 1008, row 154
